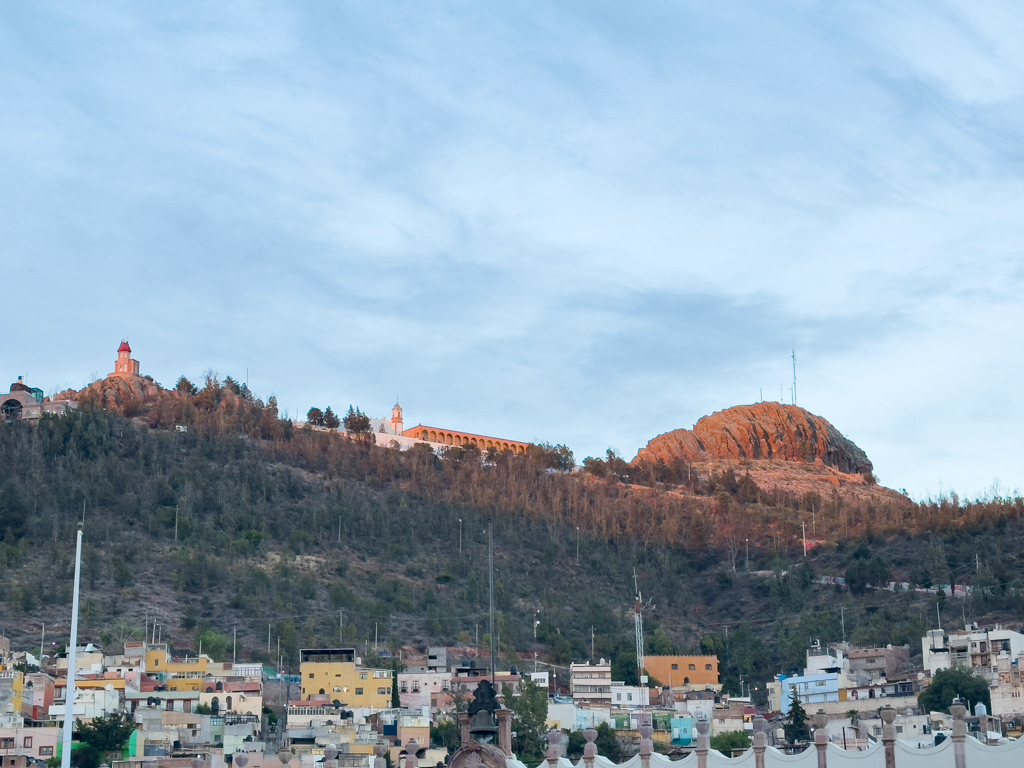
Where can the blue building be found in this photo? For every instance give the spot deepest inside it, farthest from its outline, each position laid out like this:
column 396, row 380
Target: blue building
column 809, row 689
column 683, row 733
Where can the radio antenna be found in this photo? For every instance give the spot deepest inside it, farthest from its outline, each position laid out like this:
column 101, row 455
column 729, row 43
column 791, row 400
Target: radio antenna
column 794, row 373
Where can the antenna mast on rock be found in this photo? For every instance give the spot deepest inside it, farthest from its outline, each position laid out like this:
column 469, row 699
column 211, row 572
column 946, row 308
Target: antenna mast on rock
column 794, row 374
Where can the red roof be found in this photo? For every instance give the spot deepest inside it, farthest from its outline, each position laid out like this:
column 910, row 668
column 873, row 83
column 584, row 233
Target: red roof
column 124, row 347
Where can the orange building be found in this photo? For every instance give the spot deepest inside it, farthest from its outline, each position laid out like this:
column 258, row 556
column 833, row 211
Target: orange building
column 453, row 437
column 125, row 367
column 693, row 672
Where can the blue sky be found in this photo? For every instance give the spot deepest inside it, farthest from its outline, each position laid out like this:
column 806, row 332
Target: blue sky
column 578, row 223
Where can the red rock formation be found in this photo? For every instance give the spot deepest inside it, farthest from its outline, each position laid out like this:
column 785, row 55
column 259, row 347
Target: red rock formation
column 771, row 431
column 115, row 392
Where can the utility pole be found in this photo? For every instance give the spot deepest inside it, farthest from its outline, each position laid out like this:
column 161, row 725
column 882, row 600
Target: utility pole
column 234, row 645
column 747, row 541
column 490, row 592
column 341, row 627
column 577, row 545
column 268, row 641
column 803, row 526
column 176, row 524
column 375, row 638
column 42, row 642
column 460, row 536
column 842, row 619
column 638, row 622
column 593, row 653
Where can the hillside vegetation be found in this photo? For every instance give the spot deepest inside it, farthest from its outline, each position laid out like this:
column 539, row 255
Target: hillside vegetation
column 289, row 529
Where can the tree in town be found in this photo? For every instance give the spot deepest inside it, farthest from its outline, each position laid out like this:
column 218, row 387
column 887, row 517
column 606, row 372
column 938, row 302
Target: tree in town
column 107, row 734
column 446, row 734
column 947, row 684
column 607, row 743
column 86, row 757
column 214, row 644
column 529, row 719
column 730, row 740
column 396, row 701
column 795, row 727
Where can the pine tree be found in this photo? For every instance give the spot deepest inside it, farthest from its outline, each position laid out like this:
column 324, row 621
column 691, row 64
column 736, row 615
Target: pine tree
column 796, row 727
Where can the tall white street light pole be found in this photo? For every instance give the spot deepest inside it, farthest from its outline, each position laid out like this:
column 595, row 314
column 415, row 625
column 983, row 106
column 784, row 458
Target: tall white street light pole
column 69, row 695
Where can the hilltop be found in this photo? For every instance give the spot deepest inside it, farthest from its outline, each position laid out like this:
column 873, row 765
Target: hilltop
column 784, row 449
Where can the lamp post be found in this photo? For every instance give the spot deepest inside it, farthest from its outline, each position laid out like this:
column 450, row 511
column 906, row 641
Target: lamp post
column 460, row 535
column 535, row 623
column 69, row 694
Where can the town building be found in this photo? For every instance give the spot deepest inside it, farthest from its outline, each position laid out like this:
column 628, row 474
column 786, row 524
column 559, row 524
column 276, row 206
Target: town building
column 177, row 674
column 869, row 664
column 24, row 403
column 434, row 660
column 12, row 683
column 37, row 696
column 685, row 672
column 591, row 683
column 973, row 648
column 420, row 689
column 90, row 702
column 338, row 674
column 19, row 739
column 630, row 695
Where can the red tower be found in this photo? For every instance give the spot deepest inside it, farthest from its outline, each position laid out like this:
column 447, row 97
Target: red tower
column 125, row 367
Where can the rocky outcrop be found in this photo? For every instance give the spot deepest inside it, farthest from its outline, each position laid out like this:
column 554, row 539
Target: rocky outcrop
column 763, row 431
column 116, row 393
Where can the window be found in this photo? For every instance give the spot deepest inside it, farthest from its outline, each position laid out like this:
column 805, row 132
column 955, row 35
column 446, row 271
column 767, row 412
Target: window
column 28, row 742
column 46, row 751
column 6, row 743
column 675, row 667
column 382, row 691
column 337, row 689
column 362, row 675
column 693, row 666
column 820, row 683
column 359, row 691
column 629, row 697
column 707, row 666
column 310, row 675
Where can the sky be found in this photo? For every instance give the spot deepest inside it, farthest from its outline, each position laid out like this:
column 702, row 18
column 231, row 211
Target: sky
column 583, row 223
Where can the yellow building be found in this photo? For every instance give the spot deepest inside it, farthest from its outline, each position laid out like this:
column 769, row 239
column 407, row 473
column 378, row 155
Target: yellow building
column 186, row 674
column 12, row 685
column 333, row 672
